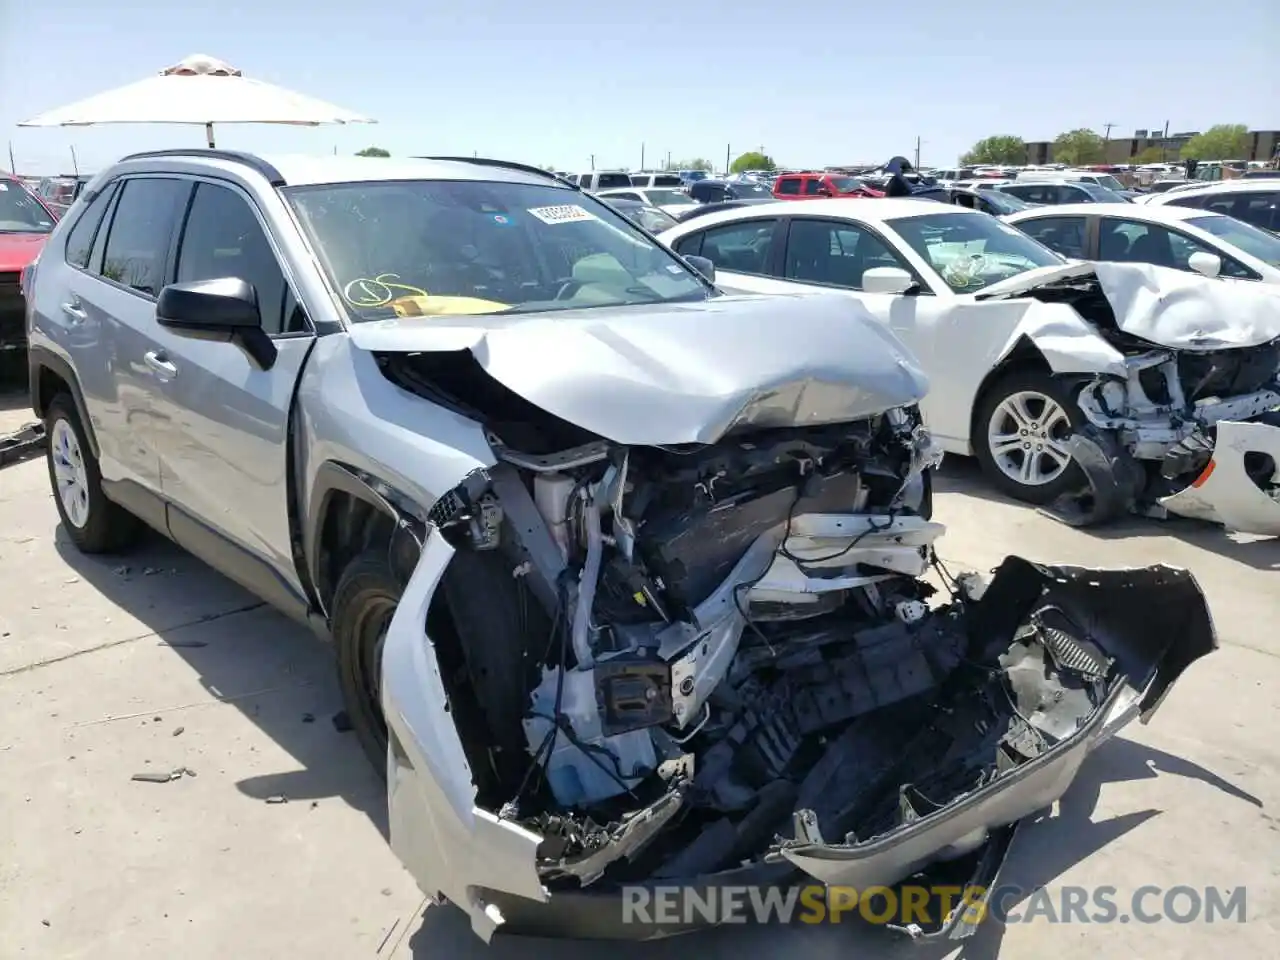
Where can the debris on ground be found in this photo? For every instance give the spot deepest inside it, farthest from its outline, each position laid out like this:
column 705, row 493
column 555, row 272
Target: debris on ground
column 25, row 442
column 156, row 777
column 183, row 643
column 278, row 798
column 178, row 731
column 122, row 571
column 342, row 722
column 308, row 718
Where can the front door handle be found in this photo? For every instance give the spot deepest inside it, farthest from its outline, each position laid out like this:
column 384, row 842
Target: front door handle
column 74, row 312
column 160, row 364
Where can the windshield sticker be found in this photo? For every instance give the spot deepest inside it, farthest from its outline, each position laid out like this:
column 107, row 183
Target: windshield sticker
column 565, row 213
column 4, row 188
column 378, row 291
column 501, row 220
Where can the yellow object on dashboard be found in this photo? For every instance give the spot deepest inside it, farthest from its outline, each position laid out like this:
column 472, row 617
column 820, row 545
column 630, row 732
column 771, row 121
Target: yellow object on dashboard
column 430, row 306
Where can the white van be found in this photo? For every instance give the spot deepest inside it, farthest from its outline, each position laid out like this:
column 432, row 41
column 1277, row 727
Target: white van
column 602, row 180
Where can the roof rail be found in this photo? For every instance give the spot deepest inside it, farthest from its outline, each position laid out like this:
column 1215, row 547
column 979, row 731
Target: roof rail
column 236, row 156
column 505, row 164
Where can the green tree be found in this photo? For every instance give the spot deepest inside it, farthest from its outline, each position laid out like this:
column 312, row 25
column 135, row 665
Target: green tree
column 1152, row 155
column 1076, row 147
column 1003, row 148
column 372, row 152
column 697, row 163
column 753, row 160
column 1225, row 141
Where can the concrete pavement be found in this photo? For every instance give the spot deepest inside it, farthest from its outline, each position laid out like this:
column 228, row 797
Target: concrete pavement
column 152, row 663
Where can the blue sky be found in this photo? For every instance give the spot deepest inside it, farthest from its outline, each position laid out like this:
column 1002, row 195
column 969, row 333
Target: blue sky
column 557, row 83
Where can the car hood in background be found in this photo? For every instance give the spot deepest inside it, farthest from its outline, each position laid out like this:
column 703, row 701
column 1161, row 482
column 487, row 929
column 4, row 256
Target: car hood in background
column 681, row 372
column 1166, row 307
column 18, row 250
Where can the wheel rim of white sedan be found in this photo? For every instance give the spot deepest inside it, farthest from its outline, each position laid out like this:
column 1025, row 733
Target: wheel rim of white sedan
column 69, row 473
column 1027, row 438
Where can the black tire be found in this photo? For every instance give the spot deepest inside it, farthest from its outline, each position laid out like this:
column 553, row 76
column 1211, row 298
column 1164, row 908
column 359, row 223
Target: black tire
column 1047, row 386
column 492, row 624
column 366, row 596
column 105, row 526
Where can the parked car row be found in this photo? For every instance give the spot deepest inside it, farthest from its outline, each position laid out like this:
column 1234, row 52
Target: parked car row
column 625, row 573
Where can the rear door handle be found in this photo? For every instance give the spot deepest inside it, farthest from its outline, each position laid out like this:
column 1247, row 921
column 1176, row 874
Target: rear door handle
column 75, row 313
column 160, row 364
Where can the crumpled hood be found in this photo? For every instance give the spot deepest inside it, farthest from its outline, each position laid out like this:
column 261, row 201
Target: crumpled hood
column 681, row 372
column 1166, row 307
column 1186, row 311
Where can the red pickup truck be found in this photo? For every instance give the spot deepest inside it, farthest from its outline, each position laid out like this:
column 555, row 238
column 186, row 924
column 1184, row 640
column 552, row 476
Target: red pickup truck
column 810, row 186
column 25, row 224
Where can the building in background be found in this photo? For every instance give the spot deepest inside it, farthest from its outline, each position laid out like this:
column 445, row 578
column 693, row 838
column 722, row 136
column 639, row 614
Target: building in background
column 1263, row 146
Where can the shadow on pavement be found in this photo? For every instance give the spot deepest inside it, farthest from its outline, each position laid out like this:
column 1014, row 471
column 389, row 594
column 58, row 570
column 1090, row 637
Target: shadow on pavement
column 963, row 475
column 1045, row 848
column 279, row 674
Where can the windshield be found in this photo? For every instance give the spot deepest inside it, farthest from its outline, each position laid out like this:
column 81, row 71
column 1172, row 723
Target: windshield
column 693, row 174
column 846, row 184
column 746, row 190
column 1099, row 194
column 436, row 247
column 1111, row 183
column 20, row 212
column 659, row 197
column 970, row 252
column 1005, row 202
column 1252, row 240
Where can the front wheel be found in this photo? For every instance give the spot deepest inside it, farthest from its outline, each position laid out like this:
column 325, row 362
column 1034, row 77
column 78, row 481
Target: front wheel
column 1021, row 429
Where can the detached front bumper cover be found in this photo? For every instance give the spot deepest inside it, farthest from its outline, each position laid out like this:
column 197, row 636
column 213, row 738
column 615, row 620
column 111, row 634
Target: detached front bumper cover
column 1227, row 491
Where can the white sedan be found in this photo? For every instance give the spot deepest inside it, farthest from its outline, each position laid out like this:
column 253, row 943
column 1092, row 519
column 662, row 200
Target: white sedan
column 1184, row 238
column 667, row 199
column 1069, row 383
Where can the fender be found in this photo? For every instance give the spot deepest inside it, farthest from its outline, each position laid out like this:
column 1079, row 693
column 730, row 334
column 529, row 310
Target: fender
column 332, row 478
column 42, row 358
column 1068, row 342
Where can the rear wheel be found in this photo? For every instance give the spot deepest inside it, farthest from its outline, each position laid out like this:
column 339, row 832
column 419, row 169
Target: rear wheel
column 94, row 523
column 1021, row 429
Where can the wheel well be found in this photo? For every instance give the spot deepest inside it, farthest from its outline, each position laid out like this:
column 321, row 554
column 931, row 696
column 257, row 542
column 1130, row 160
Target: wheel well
column 1025, row 356
column 350, row 526
column 47, row 386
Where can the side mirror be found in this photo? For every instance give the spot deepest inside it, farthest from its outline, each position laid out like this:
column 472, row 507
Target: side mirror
column 703, row 266
column 222, row 310
column 887, row 280
column 824, row 191
column 1205, row 264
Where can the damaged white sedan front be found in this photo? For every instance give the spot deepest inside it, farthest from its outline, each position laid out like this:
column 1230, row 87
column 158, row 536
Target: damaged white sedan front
column 678, row 630
column 1089, row 389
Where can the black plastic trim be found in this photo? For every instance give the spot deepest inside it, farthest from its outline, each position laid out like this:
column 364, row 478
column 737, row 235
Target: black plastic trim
column 38, row 357
column 507, row 165
column 235, row 562
column 331, row 478
column 274, row 176
column 144, row 504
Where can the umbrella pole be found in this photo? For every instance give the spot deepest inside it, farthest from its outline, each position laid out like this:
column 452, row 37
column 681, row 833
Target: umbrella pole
column 208, row 132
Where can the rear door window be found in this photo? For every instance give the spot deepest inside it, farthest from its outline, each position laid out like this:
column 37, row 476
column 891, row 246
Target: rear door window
column 789, row 186
column 142, row 228
column 813, row 187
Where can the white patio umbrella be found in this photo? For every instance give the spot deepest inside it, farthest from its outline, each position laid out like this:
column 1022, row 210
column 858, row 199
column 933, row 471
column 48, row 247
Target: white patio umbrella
column 198, row 90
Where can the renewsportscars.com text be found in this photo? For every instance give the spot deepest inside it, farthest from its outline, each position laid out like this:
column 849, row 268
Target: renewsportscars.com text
column 909, row 906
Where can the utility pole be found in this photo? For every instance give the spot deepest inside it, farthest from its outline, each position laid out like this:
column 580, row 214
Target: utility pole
column 75, row 167
column 13, row 167
column 668, row 159
column 642, row 156
column 593, row 161
column 726, row 159
column 917, row 153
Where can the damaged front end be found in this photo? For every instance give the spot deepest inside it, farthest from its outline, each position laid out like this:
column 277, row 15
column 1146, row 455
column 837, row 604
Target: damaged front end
column 1195, row 434
column 1187, row 419
column 625, row 665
